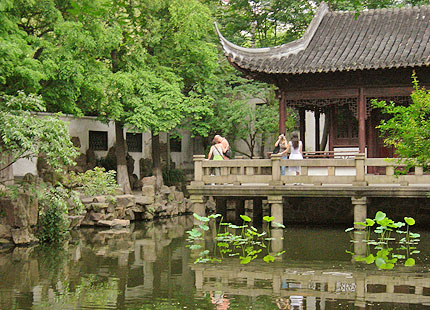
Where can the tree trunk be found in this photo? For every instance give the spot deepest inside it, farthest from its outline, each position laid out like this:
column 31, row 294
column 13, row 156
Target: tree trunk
column 156, row 161
column 263, row 144
column 121, row 161
column 168, row 152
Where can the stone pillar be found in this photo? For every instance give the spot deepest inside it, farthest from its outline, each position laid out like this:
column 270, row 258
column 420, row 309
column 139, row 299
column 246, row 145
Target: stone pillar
column 276, row 209
column 360, row 170
column 277, row 242
column 198, row 170
column 148, row 276
column 198, row 207
column 360, row 292
column 276, row 282
column 360, row 210
column 276, row 170
column 359, row 245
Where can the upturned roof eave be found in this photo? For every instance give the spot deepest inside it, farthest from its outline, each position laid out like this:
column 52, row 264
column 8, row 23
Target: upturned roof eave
column 238, row 53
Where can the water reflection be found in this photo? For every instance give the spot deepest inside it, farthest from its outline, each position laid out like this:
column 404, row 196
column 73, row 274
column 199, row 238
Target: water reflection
column 148, row 267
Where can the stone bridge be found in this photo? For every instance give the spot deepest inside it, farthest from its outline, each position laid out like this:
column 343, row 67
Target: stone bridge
column 353, row 176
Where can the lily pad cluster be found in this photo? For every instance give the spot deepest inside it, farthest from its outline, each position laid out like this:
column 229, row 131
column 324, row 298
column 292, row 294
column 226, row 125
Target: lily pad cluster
column 389, row 243
column 243, row 241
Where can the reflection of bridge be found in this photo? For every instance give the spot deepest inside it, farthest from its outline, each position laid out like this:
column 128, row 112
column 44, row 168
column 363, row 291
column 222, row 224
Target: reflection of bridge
column 353, row 283
column 337, row 177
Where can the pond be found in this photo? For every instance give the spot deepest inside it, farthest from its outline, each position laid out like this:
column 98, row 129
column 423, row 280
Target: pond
column 147, row 266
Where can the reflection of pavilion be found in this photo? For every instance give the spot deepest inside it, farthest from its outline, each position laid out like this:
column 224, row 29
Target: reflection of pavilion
column 316, row 281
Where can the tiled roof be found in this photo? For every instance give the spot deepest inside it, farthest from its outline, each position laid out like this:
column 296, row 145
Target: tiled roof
column 341, row 41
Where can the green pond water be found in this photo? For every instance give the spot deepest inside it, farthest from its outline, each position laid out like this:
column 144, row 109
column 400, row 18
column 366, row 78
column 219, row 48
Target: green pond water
column 147, row 266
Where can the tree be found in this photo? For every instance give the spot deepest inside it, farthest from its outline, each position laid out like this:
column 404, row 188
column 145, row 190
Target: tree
column 138, row 63
column 408, row 128
column 25, row 136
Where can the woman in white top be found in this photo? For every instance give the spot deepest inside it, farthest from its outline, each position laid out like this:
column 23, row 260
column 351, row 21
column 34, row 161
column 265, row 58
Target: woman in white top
column 295, row 147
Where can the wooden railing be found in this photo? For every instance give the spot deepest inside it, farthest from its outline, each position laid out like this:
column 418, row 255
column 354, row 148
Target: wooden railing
column 351, row 171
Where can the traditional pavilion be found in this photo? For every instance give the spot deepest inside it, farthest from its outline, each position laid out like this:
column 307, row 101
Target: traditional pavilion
column 341, row 63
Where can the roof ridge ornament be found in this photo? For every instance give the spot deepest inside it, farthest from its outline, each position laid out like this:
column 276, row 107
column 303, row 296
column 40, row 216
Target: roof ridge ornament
column 237, row 52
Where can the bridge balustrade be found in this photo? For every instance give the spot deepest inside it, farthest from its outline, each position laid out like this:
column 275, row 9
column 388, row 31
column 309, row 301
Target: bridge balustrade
column 352, row 170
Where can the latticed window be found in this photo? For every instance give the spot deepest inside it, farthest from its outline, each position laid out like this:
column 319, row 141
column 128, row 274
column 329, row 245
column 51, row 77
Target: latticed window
column 98, row 140
column 346, row 123
column 175, row 144
column 134, row 142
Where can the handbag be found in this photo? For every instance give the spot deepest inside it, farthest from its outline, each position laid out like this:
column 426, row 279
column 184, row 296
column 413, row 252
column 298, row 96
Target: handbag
column 228, row 153
column 276, row 149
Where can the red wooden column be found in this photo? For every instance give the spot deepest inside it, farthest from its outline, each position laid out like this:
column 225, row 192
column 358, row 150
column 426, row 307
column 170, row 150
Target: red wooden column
column 282, row 112
column 361, row 109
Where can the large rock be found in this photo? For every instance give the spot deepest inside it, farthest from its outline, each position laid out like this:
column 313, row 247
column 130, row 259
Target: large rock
column 172, row 208
column 140, row 208
column 181, row 207
column 179, row 196
column 21, row 236
column 75, row 221
column 144, row 200
column 125, row 201
column 100, row 199
column 99, row 206
column 129, row 215
column 76, row 141
column 148, row 190
column 113, row 223
column 147, row 181
column 5, row 232
column 165, row 190
column 93, row 216
column 211, row 204
column 20, row 212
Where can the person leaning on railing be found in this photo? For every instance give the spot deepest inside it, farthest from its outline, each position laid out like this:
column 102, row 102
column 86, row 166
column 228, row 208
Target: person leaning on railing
column 282, row 143
column 215, row 153
column 295, row 148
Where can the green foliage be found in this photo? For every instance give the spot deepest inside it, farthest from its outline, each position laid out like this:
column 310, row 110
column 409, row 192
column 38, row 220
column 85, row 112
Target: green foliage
column 408, row 128
column 25, row 135
column 173, row 177
column 244, row 241
column 53, row 211
column 237, row 116
column 386, row 257
column 94, row 182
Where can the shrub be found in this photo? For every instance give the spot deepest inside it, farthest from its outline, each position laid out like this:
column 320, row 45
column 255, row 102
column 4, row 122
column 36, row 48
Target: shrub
column 53, row 212
column 94, row 182
column 173, row 177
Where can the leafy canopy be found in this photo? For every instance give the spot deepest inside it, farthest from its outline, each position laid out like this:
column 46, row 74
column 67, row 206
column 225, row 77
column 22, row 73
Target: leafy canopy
column 408, row 128
column 24, row 135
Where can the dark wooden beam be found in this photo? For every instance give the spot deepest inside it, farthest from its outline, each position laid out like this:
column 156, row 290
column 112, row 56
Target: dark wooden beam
column 317, row 130
column 321, row 94
column 302, row 124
